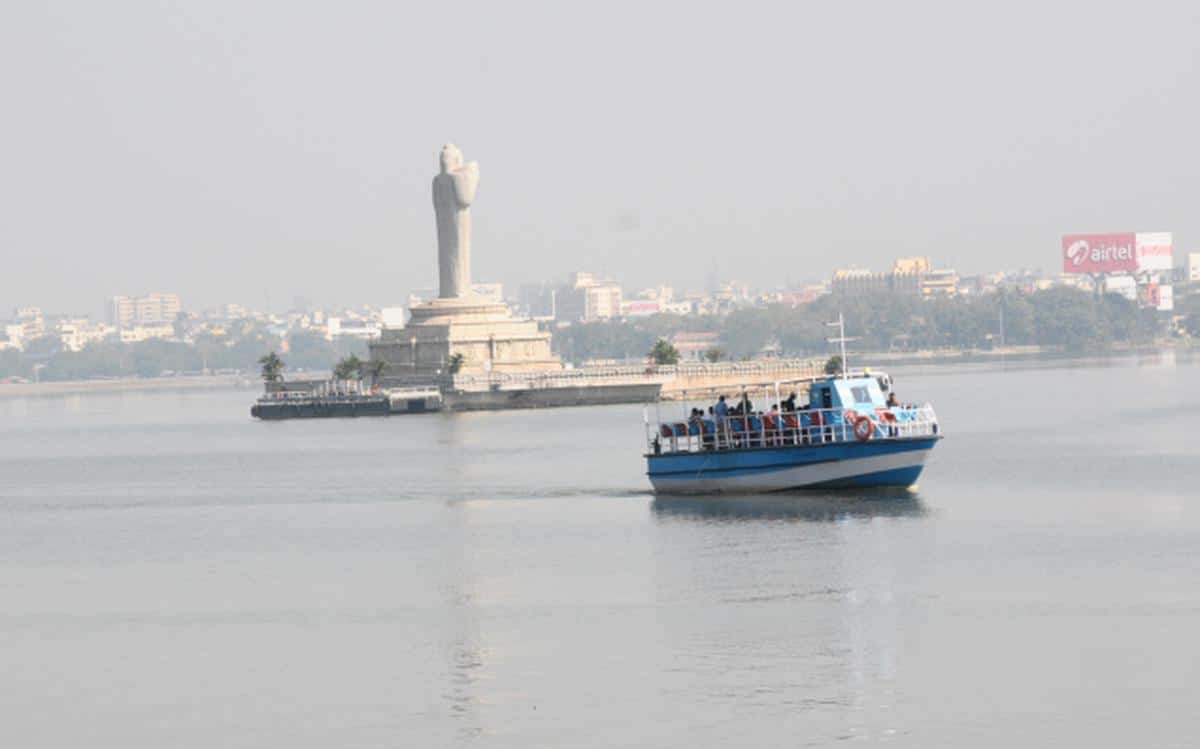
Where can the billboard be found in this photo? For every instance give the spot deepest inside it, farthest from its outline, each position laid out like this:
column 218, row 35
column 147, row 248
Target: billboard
column 640, row 308
column 1154, row 251
column 1099, row 253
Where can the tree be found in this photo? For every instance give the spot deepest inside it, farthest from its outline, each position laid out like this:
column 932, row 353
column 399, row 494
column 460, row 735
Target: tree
column 834, row 365
column 664, row 353
column 272, row 367
column 349, row 368
column 375, row 368
column 714, row 355
column 1067, row 317
column 455, row 364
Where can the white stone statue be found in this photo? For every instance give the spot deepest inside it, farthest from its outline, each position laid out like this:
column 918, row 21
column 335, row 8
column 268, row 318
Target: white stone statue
column 453, row 193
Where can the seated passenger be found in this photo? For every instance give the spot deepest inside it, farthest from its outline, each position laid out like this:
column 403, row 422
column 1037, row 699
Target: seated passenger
column 771, row 421
column 694, row 422
column 756, row 429
column 893, row 401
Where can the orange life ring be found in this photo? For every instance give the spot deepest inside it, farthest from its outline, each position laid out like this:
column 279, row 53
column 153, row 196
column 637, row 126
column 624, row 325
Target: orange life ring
column 863, row 428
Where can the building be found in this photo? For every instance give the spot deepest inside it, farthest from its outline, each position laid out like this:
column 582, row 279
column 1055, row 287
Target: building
column 138, row 333
column 909, row 276
column 125, row 311
column 351, row 327
column 858, row 281
column 693, row 346
column 536, row 300
column 77, row 334
column 911, row 265
column 681, row 308
column 1193, row 267
column 939, row 283
column 14, row 335
column 640, row 308
column 585, row 298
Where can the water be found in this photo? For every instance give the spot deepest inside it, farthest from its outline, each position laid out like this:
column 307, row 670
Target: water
column 174, row 574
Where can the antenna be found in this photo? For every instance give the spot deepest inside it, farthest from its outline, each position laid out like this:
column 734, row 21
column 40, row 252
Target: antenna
column 841, row 339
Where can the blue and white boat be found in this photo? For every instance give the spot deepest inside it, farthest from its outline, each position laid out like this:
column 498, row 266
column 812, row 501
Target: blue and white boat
column 853, row 433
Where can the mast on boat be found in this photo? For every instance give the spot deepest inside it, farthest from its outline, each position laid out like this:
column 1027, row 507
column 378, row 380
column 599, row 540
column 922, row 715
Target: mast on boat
column 841, row 339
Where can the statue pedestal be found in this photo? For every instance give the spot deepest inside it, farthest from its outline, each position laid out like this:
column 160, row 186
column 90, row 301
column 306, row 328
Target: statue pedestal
column 485, row 333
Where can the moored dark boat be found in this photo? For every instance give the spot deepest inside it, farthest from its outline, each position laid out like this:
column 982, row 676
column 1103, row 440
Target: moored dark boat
column 304, row 406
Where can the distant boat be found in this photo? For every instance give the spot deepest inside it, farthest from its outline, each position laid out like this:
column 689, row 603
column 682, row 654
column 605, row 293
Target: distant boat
column 852, row 434
column 332, row 400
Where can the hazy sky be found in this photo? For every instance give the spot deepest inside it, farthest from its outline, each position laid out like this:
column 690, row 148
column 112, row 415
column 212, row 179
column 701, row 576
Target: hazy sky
column 235, row 150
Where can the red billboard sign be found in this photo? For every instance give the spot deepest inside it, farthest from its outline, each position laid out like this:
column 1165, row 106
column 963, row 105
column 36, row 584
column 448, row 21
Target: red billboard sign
column 1099, row 253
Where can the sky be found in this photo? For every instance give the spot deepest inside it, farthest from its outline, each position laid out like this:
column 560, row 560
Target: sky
column 256, row 152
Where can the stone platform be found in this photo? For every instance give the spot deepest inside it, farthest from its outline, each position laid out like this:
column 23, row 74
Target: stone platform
column 484, row 333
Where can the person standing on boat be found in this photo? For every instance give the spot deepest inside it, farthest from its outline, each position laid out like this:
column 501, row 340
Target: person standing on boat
column 721, row 410
column 789, row 403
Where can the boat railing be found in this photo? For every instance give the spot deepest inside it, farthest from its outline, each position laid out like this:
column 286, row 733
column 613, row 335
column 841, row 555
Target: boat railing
column 792, row 428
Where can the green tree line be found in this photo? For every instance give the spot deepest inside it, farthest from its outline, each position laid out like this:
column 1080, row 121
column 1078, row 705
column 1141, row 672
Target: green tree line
column 1061, row 317
column 154, row 357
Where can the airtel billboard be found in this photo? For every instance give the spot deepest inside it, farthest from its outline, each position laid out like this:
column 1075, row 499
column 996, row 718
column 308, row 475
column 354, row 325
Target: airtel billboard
column 1154, row 251
column 1099, row 253
column 1127, row 252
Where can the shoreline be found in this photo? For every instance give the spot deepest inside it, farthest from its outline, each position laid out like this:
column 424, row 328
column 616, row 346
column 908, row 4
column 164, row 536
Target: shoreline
column 1012, row 354
column 128, row 385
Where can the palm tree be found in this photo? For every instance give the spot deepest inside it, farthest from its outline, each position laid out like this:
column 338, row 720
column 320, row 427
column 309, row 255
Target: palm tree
column 349, row 368
column 664, row 353
column 375, row 368
column 272, row 367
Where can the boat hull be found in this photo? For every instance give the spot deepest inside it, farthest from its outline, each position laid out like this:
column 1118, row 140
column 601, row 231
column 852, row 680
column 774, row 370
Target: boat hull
column 838, row 465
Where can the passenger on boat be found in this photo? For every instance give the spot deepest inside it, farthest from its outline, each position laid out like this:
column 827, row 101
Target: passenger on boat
column 772, row 423
column 709, row 426
column 756, row 429
column 722, row 414
column 789, row 403
column 893, row 401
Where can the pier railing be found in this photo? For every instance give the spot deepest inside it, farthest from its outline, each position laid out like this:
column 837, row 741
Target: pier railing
column 691, row 376
column 791, row 428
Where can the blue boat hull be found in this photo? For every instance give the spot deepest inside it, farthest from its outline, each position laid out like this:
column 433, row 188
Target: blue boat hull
column 836, row 465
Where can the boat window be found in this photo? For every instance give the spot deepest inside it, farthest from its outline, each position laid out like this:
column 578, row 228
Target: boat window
column 861, row 394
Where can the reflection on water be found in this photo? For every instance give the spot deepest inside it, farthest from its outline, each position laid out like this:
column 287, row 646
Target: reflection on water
column 814, row 507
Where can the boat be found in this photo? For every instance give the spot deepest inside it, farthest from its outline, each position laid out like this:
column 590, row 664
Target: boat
column 316, row 400
column 295, row 405
column 853, row 433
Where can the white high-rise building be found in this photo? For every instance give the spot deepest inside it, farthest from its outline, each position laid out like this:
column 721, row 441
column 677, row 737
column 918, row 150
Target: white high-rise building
column 1193, row 267
column 125, row 311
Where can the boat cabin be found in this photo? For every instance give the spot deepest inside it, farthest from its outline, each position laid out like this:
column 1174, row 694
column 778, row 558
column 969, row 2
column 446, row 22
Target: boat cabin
column 865, row 393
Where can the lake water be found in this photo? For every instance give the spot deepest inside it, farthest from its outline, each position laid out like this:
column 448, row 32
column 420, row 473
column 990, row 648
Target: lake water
column 175, row 574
